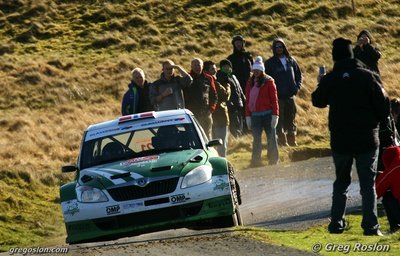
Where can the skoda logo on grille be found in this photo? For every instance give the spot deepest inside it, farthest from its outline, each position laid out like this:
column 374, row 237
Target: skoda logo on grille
column 142, row 182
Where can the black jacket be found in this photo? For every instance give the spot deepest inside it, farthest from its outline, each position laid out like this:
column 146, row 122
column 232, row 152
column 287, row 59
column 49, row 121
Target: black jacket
column 357, row 103
column 237, row 99
column 369, row 55
column 242, row 62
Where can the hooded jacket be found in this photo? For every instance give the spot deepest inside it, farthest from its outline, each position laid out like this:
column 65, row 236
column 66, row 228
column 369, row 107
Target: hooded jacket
column 288, row 80
column 389, row 179
column 357, row 103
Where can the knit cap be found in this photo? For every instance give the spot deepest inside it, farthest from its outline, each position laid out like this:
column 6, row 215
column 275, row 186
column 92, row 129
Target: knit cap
column 258, row 64
column 225, row 62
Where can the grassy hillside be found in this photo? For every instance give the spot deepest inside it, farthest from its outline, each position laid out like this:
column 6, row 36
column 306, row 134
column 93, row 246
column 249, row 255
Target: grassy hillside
column 65, row 64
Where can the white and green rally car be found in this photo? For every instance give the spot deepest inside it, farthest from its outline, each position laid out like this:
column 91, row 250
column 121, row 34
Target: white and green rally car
column 147, row 172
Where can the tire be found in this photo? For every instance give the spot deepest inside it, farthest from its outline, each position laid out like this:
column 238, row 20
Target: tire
column 239, row 220
column 235, row 219
column 231, row 220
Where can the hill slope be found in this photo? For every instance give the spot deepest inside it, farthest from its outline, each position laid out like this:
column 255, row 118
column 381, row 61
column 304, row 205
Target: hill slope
column 65, row 64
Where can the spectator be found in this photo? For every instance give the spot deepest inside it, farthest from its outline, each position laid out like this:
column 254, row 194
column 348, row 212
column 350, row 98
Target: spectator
column 241, row 66
column 221, row 114
column 395, row 110
column 366, row 52
column 166, row 93
column 357, row 104
column 388, row 135
column 136, row 98
column 236, row 101
column 241, row 60
column 387, row 186
column 201, row 96
column 288, row 79
column 262, row 112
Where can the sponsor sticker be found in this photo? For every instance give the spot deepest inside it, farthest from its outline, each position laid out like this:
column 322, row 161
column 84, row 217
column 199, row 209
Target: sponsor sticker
column 177, row 198
column 72, row 209
column 132, row 205
column 220, row 184
column 143, row 159
column 114, row 209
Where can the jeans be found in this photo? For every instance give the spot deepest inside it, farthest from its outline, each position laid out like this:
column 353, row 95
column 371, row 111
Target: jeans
column 221, row 132
column 236, row 122
column 287, row 116
column 366, row 170
column 258, row 124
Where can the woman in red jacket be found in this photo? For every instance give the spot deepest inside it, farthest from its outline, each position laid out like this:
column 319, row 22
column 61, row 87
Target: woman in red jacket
column 262, row 113
column 388, row 186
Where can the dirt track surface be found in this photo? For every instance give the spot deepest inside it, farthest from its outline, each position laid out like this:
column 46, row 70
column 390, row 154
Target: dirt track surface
column 289, row 197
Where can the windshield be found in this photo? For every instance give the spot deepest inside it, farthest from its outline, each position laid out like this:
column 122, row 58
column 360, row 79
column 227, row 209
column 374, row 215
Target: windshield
column 135, row 143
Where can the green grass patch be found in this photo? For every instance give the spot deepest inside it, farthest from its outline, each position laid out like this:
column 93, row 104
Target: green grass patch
column 351, row 242
column 29, row 212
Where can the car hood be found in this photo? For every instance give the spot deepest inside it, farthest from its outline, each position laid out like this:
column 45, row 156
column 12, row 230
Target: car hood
column 171, row 164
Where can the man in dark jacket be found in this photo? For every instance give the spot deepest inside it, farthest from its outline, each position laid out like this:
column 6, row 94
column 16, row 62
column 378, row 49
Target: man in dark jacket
column 357, row 104
column 201, row 97
column 237, row 100
column 288, row 79
column 241, row 61
column 136, row 98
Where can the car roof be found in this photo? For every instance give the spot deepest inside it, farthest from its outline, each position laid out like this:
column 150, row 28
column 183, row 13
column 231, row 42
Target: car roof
column 138, row 116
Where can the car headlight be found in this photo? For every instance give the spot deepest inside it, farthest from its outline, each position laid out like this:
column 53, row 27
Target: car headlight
column 197, row 176
column 87, row 194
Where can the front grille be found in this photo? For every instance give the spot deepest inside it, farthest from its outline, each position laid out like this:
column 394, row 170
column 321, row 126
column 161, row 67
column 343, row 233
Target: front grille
column 149, row 217
column 154, row 188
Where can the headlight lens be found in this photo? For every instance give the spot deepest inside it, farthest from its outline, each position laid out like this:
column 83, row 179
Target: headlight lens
column 197, row 176
column 87, row 194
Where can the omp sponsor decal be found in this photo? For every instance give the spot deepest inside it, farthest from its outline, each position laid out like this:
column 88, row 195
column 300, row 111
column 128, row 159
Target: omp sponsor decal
column 144, row 159
column 177, row 198
column 220, row 184
column 114, row 209
column 71, row 209
column 132, row 205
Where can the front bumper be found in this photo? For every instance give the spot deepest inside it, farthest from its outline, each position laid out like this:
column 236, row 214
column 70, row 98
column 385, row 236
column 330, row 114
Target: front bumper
column 182, row 208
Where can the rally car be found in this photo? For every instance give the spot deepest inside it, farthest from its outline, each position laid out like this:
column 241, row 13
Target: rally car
column 148, row 172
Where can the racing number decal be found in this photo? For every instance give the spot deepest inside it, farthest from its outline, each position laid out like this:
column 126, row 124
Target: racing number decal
column 147, row 146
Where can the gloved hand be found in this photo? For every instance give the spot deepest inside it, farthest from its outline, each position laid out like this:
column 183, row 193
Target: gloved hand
column 274, row 121
column 248, row 122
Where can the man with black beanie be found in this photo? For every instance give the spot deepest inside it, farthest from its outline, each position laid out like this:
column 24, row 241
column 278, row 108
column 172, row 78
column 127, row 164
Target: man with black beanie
column 357, row 104
column 241, row 61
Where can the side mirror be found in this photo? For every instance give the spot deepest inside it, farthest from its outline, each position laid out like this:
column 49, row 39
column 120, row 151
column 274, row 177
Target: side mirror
column 69, row 168
column 213, row 143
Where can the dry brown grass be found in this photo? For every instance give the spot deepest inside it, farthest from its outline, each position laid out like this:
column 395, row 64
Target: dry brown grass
column 74, row 65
